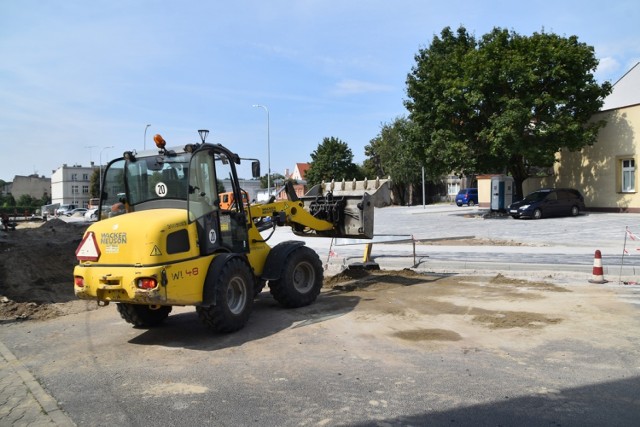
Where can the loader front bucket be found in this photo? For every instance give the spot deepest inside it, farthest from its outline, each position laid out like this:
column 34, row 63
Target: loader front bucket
column 348, row 205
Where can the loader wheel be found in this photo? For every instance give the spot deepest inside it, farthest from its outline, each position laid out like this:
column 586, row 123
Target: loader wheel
column 143, row 316
column 301, row 279
column 258, row 288
column 234, row 298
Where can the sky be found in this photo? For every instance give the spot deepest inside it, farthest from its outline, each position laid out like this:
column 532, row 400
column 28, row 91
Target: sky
column 81, row 80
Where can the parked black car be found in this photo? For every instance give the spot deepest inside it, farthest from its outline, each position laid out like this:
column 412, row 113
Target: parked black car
column 548, row 202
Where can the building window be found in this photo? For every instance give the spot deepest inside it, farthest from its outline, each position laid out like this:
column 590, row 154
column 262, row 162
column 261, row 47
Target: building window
column 85, row 177
column 628, row 175
column 74, row 177
column 74, row 189
column 85, row 189
column 453, row 188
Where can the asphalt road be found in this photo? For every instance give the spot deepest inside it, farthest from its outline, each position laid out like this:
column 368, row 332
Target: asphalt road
column 339, row 361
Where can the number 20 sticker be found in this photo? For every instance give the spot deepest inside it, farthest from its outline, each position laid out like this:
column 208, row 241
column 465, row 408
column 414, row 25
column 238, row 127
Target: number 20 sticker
column 161, row 189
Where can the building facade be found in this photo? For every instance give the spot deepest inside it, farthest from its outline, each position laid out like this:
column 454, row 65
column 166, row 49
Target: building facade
column 35, row 186
column 299, row 172
column 70, row 185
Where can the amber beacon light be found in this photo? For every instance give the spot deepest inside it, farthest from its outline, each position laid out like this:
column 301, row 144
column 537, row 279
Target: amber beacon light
column 159, row 140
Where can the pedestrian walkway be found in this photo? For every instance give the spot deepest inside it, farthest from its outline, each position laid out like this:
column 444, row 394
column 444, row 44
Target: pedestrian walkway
column 23, row 402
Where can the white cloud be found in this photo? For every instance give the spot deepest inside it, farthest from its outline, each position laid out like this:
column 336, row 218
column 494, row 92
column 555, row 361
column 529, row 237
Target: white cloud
column 607, row 67
column 353, row 87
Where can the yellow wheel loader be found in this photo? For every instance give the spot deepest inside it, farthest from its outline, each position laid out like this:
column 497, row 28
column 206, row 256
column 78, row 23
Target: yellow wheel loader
column 163, row 239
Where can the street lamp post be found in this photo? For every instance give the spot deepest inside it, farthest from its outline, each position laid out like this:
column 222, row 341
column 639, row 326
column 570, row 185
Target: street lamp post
column 90, row 147
column 105, row 148
column 145, row 136
column 268, row 151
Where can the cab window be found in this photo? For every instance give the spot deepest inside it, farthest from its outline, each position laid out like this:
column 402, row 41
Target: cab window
column 203, row 195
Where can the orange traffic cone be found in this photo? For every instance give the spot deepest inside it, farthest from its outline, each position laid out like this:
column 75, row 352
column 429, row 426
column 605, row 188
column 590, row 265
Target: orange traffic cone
column 598, row 273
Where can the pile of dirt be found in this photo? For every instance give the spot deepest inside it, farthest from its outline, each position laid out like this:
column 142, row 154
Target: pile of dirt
column 441, row 294
column 354, row 279
column 546, row 286
column 36, row 268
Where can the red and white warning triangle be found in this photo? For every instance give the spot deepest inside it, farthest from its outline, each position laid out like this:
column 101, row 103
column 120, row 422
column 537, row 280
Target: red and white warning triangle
column 88, row 249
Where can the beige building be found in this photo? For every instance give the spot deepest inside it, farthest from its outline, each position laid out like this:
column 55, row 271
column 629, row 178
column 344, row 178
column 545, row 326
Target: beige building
column 606, row 173
column 32, row 185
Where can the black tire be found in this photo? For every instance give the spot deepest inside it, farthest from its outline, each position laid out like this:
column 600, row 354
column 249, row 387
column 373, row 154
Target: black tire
column 515, row 216
column 143, row 316
column 537, row 214
column 301, row 279
column 233, row 289
column 472, row 203
column 258, row 288
column 575, row 211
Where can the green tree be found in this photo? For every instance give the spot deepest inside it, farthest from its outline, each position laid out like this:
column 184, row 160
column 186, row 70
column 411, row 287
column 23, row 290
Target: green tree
column 30, row 202
column 393, row 153
column 332, row 160
column 25, row 200
column 9, row 201
column 220, row 187
column 275, row 177
column 3, row 199
column 504, row 103
column 94, row 183
column 44, row 200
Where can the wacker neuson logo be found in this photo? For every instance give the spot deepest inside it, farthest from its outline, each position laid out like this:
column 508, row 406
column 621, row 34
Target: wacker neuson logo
column 113, row 238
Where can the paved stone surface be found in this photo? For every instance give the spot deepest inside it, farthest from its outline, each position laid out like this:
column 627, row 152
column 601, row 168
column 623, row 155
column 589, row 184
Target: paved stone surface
column 550, row 245
column 556, row 245
column 23, row 401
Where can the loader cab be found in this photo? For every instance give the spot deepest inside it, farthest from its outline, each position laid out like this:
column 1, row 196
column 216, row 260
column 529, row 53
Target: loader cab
column 221, row 226
column 189, row 179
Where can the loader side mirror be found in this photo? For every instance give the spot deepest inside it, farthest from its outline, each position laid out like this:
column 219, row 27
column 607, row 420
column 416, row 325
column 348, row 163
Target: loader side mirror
column 255, row 169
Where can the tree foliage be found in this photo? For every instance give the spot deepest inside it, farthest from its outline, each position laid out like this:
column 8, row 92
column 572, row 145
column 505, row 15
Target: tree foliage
column 393, row 153
column 504, row 103
column 332, row 160
column 7, row 201
column 94, row 183
column 275, row 178
column 25, row 202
